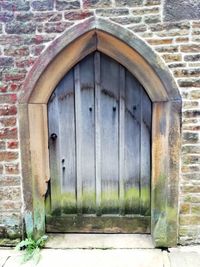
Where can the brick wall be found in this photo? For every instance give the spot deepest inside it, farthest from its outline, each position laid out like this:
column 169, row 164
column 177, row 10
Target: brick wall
column 170, row 28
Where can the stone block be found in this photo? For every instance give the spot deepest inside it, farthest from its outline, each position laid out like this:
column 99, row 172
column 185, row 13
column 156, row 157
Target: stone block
column 172, row 57
column 9, row 181
column 127, row 20
column 129, row 3
column 112, row 12
column 56, row 27
column 96, row 3
column 6, row 62
column 152, row 19
column 176, row 10
column 191, row 159
column 189, row 220
column 195, row 210
column 42, row 5
column 6, row 16
column 187, row 72
column 138, row 28
column 189, row 137
column 78, row 15
column 24, row 17
column 65, row 4
column 17, row 27
column 167, row 49
column 184, row 208
column 153, row 2
column 15, row 5
column 193, row 48
column 176, row 65
column 10, row 193
column 191, row 178
column 158, row 41
column 195, row 82
column 192, row 57
column 145, row 11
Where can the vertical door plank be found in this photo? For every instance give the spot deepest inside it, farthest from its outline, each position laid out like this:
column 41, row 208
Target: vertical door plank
column 87, row 134
column 66, row 118
column 121, row 137
column 109, row 134
column 97, row 132
column 78, row 126
column 132, row 144
column 145, row 167
column 54, row 152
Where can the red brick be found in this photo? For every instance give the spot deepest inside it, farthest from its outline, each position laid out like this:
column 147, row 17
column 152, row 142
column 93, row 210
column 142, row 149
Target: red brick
column 25, row 63
column 13, row 87
column 8, row 110
column 12, row 144
column 16, row 51
column 14, row 76
column 8, row 156
column 57, row 27
column 8, row 133
column 12, row 168
column 3, row 89
column 36, row 50
column 8, row 122
column 77, row 15
column 8, row 98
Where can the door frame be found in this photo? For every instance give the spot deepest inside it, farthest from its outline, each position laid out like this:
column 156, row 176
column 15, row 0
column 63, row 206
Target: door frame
column 135, row 55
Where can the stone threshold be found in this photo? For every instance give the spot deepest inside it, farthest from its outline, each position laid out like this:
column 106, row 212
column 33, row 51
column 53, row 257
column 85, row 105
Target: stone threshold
column 99, row 241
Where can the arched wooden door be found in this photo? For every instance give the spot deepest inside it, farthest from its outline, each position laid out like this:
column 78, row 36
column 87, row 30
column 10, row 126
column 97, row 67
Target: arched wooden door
column 99, row 119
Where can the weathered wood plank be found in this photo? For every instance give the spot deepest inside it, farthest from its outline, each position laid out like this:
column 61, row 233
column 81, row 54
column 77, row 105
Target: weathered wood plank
column 78, row 126
column 132, row 144
column 97, row 131
column 96, row 224
column 121, row 138
column 54, row 151
column 87, row 134
column 109, row 135
column 67, row 157
column 145, row 157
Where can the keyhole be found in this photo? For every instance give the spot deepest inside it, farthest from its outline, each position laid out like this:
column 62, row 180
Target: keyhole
column 134, row 108
column 114, row 108
column 63, row 175
column 53, row 136
column 90, row 109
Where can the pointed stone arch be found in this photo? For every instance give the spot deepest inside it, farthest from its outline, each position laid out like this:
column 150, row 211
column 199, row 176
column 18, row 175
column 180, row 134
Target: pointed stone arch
column 130, row 51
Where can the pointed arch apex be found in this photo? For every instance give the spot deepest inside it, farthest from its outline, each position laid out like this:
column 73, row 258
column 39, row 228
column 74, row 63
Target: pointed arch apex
column 111, row 39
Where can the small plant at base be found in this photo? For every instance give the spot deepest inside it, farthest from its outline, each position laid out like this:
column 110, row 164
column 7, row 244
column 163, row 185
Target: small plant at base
column 31, row 248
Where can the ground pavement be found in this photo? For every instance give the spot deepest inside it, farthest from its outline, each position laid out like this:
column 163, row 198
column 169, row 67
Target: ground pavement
column 105, row 251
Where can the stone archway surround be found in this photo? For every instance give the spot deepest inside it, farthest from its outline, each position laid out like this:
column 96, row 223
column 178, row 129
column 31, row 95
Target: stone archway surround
column 126, row 48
